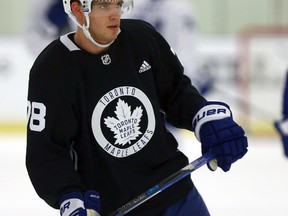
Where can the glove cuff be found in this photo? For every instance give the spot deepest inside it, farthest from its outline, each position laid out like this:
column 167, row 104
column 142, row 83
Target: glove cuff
column 211, row 111
column 71, row 202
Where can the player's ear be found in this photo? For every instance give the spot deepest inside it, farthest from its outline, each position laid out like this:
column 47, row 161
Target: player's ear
column 77, row 9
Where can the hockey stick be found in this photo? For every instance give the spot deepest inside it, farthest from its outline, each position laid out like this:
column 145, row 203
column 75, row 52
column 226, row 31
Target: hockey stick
column 164, row 184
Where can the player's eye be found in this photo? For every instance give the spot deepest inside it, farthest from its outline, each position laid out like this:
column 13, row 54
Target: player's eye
column 103, row 6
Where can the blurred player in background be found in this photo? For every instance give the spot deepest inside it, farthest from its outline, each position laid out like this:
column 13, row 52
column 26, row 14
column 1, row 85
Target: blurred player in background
column 282, row 125
column 177, row 22
column 47, row 22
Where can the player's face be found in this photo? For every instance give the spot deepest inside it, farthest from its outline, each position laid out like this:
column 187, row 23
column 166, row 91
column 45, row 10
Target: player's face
column 105, row 20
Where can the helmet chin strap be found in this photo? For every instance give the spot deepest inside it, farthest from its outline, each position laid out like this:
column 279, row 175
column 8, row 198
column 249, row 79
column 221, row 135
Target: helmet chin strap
column 85, row 29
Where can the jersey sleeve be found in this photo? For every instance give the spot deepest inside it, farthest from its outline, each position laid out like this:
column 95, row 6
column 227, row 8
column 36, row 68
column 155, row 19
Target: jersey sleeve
column 179, row 99
column 51, row 130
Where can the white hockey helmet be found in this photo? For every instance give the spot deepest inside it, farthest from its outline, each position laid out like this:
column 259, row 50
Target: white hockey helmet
column 86, row 4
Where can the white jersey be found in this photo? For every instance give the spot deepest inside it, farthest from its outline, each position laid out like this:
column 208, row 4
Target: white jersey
column 176, row 21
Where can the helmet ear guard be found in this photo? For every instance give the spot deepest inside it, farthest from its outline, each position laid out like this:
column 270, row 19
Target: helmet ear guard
column 86, row 4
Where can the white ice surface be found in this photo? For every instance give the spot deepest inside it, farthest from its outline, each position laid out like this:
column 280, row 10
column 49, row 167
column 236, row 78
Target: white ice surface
column 257, row 185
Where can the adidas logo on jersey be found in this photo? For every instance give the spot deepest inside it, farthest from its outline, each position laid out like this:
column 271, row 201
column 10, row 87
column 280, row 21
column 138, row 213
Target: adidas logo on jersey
column 145, row 67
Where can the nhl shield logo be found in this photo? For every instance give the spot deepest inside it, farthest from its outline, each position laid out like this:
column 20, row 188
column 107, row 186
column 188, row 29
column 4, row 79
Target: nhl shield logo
column 106, row 60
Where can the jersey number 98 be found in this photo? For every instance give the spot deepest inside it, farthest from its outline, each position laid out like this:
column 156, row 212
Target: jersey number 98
column 36, row 116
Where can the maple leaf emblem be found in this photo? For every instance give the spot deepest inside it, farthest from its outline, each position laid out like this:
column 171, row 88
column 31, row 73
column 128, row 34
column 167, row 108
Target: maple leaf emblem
column 126, row 125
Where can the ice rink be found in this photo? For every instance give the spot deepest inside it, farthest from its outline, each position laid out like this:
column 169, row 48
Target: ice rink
column 255, row 186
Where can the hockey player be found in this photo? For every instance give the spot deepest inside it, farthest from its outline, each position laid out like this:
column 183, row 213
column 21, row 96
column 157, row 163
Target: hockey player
column 97, row 102
column 282, row 126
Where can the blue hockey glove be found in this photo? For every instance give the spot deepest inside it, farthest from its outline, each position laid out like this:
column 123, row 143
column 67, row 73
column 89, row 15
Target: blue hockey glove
column 76, row 203
column 215, row 128
column 282, row 128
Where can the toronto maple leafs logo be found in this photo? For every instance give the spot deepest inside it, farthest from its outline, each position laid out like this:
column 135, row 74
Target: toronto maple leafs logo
column 126, row 125
column 123, row 121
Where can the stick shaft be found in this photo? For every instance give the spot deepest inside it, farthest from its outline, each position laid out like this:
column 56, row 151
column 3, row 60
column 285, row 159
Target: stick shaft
column 164, row 184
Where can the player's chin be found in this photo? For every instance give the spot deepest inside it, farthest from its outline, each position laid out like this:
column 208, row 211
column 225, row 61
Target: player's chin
column 112, row 38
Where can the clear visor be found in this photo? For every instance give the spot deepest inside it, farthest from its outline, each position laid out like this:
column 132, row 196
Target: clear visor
column 109, row 7
column 127, row 6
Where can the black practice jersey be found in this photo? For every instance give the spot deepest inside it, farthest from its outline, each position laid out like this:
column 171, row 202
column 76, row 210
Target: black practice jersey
column 96, row 122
